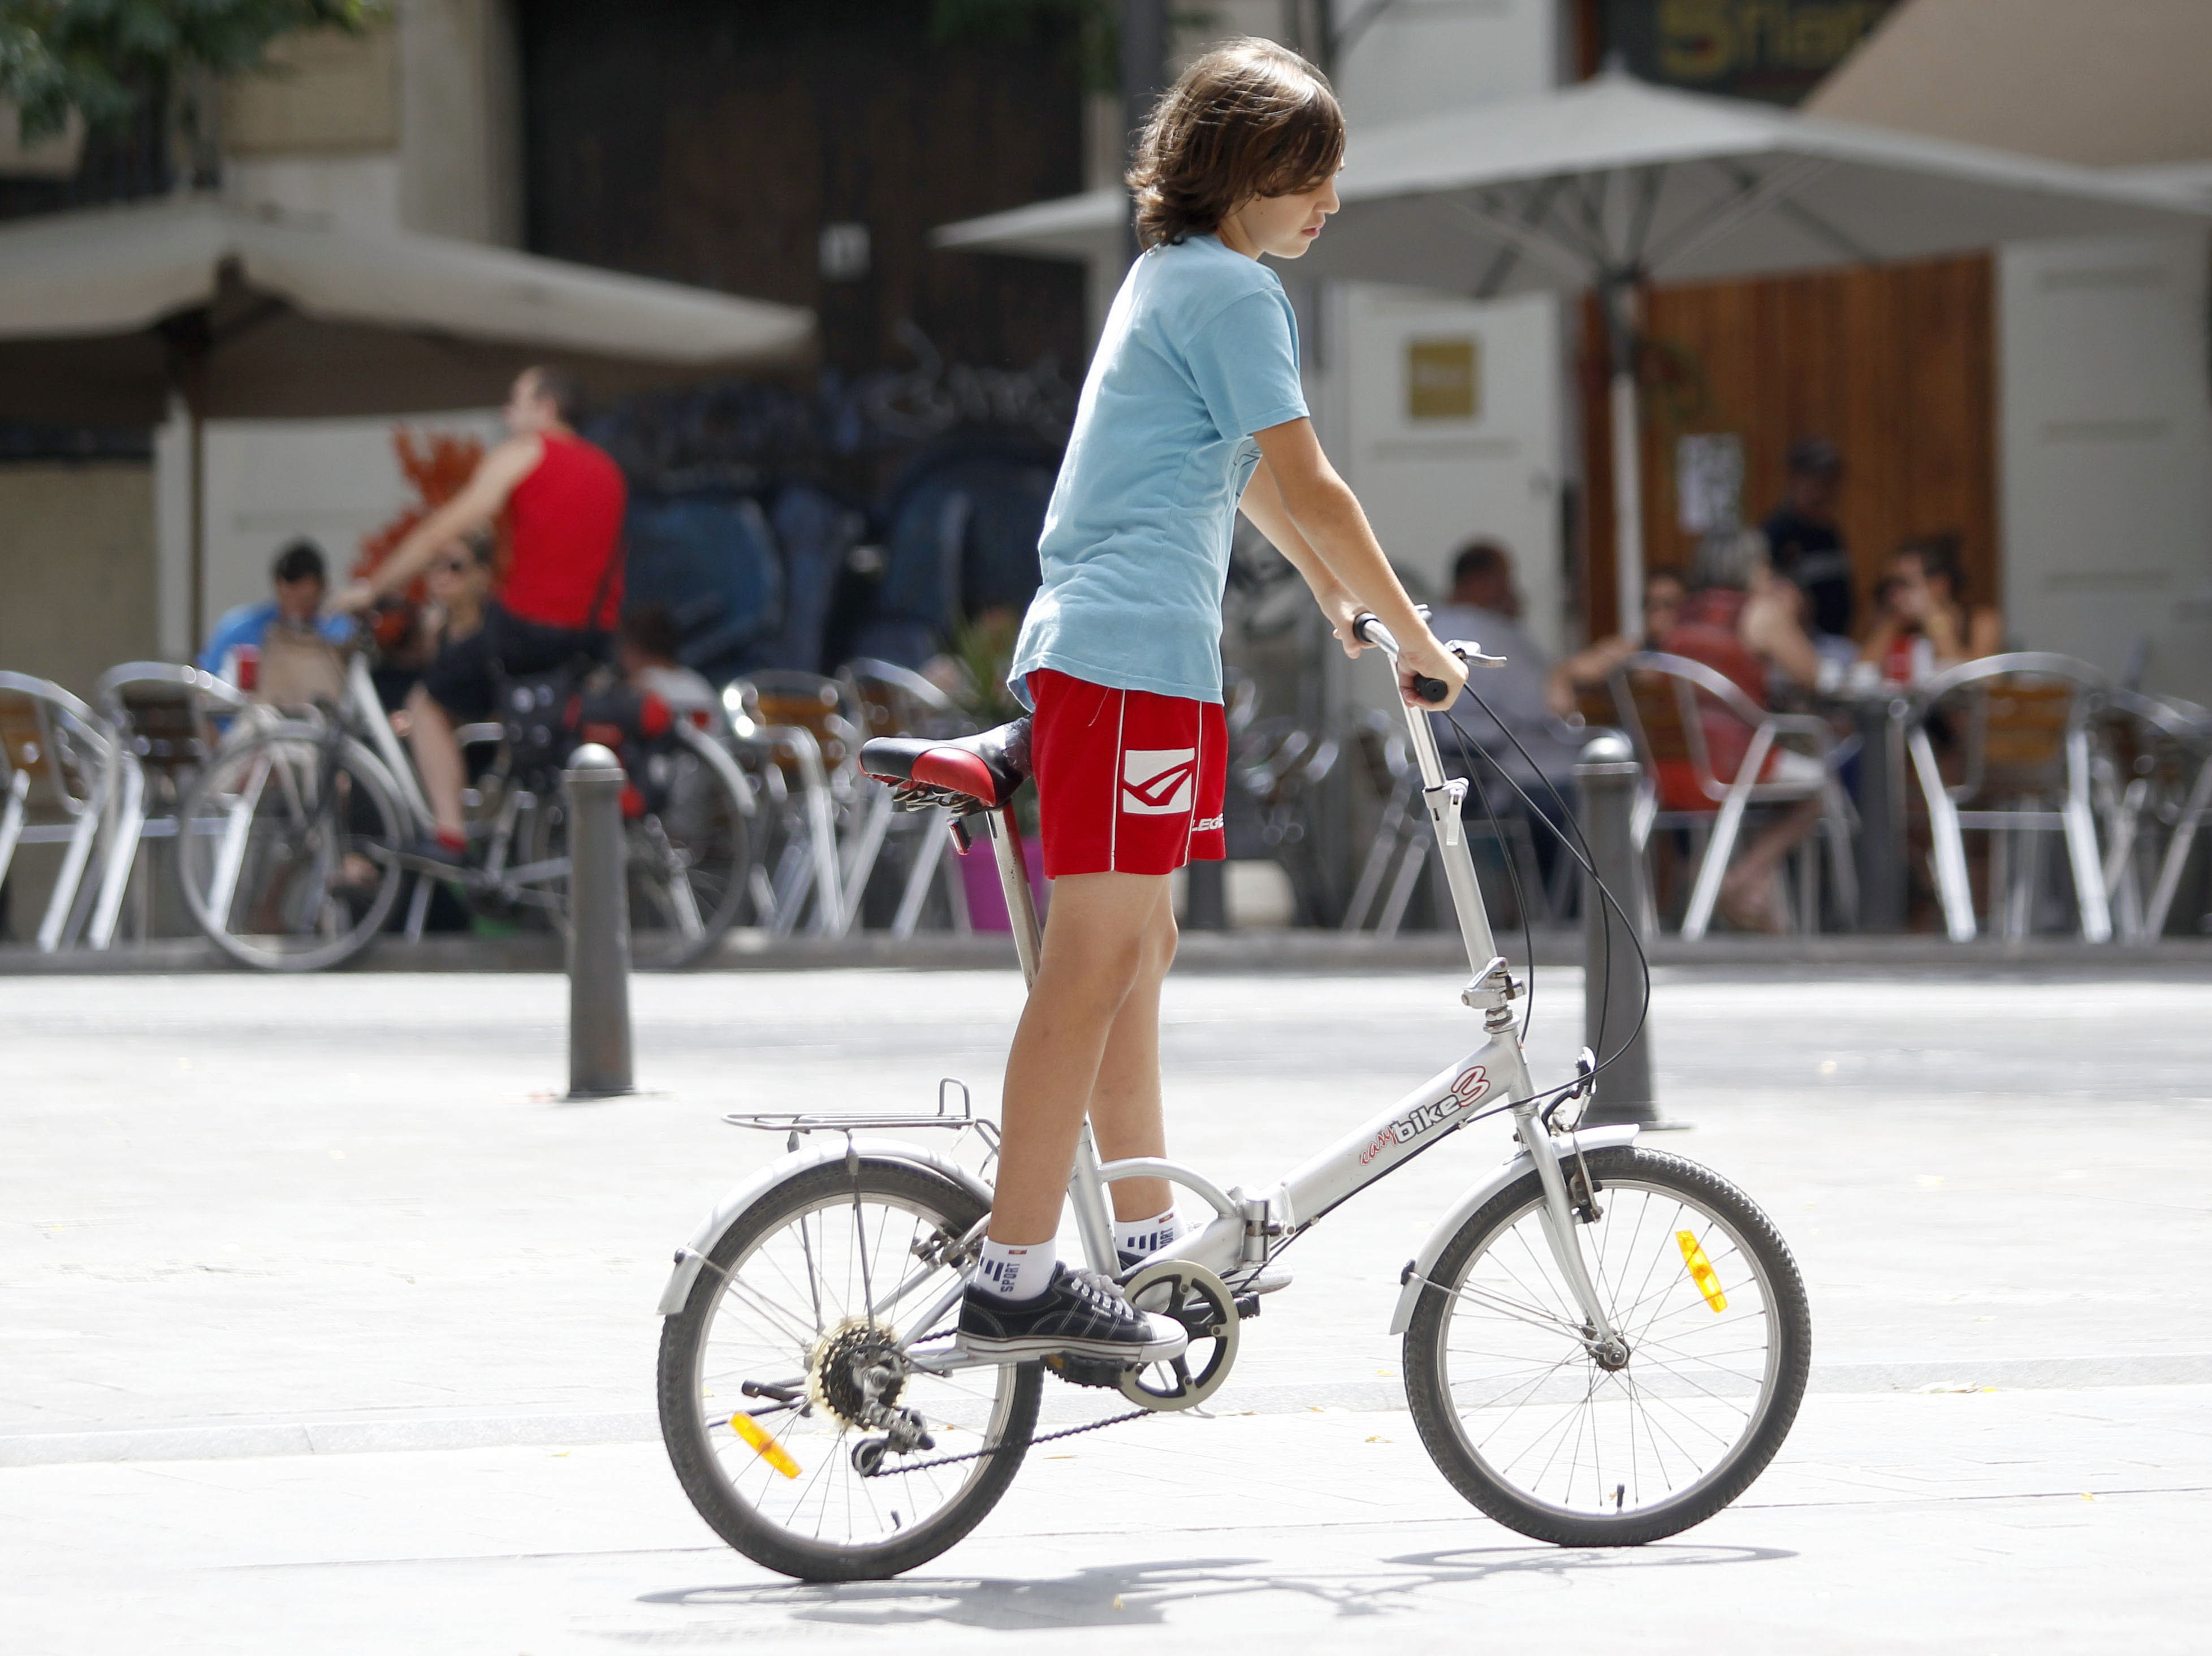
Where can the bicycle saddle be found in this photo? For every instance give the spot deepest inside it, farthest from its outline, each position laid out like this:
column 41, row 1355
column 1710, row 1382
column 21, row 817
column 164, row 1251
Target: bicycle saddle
column 969, row 773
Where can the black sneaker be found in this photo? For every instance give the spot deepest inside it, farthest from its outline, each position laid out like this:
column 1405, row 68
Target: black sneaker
column 1079, row 1313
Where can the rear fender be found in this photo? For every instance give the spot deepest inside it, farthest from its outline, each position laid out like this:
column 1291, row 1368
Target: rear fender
column 1416, row 1272
column 693, row 1254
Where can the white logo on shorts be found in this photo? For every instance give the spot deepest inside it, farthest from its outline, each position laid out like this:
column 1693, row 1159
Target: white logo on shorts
column 1156, row 781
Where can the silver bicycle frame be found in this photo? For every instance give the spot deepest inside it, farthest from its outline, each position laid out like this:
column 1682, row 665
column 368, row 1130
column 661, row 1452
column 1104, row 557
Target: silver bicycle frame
column 1246, row 1229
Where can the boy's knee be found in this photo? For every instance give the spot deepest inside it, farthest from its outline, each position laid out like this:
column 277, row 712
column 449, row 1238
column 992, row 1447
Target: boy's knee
column 1160, row 939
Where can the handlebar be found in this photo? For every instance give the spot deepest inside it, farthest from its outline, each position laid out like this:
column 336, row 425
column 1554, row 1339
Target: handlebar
column 1368, row 629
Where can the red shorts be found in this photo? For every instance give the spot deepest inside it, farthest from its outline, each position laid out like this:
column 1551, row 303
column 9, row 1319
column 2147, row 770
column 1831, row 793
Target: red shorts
column 1127, row 782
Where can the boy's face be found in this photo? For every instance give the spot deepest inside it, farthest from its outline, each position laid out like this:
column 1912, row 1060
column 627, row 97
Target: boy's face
column 1285, row 226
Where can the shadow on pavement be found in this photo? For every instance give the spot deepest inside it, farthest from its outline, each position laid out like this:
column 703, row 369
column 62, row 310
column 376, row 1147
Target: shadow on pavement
column 1138, row 1594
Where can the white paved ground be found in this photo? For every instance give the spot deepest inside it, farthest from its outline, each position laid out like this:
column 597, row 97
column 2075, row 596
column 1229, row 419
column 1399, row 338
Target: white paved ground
column 324, row 1326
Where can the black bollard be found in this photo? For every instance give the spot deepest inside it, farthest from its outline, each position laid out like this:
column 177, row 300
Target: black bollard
column 598, row 927
column 1605, row 776
column 1205, row 896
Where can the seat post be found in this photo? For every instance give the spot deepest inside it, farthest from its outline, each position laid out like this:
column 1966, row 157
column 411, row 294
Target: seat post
column 1006, row 836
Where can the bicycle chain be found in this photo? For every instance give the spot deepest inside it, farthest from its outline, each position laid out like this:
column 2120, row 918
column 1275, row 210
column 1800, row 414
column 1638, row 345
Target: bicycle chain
column 996, row 1448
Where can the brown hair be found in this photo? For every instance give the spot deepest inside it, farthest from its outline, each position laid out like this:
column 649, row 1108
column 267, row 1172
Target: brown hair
column 1248, row 118
column 1938, row 554
column 558, row 387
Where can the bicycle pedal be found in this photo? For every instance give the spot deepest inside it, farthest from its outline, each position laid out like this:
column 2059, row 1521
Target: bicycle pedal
column 1248, row 1306
column 1087, row 1371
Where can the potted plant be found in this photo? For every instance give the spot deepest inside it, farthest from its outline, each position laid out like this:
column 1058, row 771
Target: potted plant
column 981, row 650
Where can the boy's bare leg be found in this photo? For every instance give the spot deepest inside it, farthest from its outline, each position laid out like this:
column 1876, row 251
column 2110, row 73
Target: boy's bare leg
column 438, row 759
column 1124, row 1100
column 1097, row 940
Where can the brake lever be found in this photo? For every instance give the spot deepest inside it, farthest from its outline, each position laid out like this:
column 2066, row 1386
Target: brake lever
column 1472, row 653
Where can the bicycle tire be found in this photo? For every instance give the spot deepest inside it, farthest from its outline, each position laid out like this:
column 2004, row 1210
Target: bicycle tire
column 1622, row 1172
column 700, row 839
column 703, row 840
column 366, row 795
column 686, row 1424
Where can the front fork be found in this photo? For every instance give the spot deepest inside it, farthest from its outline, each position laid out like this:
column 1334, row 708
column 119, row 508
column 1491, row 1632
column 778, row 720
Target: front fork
column 1560, row 1231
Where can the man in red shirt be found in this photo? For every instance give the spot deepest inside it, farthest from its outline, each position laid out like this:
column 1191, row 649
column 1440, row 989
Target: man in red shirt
column 564, row 500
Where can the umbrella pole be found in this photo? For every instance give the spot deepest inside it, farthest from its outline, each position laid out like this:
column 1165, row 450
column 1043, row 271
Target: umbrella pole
column 188, row 339
column 1620, row 301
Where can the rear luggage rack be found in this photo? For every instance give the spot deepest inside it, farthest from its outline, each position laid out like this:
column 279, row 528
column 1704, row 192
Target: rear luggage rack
column 797, row 1125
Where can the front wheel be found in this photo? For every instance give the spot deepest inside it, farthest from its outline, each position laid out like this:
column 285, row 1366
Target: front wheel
column 802, row 1397
column 1589, row 1447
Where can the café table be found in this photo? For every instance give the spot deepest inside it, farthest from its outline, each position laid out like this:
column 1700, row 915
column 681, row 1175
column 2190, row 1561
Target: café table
column 1877, row 712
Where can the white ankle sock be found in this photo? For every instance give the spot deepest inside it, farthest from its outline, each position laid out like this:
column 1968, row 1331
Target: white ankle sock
column 1008, row 1272
column 1146, row 1235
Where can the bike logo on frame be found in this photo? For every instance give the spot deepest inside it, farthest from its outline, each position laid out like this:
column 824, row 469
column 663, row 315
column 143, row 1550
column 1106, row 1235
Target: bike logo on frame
column 1467, row 1089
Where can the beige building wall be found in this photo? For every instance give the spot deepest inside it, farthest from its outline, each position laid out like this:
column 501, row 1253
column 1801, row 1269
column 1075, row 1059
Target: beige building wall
column 77, row 571
column 415, row 125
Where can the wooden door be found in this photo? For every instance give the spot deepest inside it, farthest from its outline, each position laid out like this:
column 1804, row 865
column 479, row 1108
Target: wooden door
column 1894, row 364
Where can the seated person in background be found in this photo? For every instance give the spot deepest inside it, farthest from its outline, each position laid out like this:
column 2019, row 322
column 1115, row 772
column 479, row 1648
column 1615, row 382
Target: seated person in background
column 1485, row 609
column 299, row 577
column 1741, row 620
column 1664, row 589
column 1923, row 602
column 646, row 650
column 458, row 580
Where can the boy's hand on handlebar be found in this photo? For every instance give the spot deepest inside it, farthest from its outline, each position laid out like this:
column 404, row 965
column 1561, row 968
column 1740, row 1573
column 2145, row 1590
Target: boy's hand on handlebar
column 1343, row 610
column 1425, row 658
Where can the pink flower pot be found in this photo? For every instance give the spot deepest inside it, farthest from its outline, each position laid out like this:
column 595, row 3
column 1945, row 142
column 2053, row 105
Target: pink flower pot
column 979, row 880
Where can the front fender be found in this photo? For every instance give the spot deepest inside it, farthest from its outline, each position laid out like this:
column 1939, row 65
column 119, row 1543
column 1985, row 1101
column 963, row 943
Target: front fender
column 693, row 1254
column 1416, row 1272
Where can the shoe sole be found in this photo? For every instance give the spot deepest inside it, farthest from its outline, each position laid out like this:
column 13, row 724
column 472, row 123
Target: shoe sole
column 1021, row 1347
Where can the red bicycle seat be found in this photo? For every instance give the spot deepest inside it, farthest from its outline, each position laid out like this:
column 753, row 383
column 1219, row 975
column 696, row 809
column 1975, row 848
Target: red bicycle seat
column 969, row 773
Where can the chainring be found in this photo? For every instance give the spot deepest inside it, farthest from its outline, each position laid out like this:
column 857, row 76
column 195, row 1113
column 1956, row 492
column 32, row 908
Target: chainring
column 1193, row 1296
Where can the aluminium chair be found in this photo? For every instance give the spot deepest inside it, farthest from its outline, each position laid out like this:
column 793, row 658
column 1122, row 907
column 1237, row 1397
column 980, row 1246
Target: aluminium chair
column 2019, row 725
column 164, row 716
column 803, row 725
column 57, row 773
column 1402, row 844
column 897, row 701
column 2153, row 770
column 1661, row 701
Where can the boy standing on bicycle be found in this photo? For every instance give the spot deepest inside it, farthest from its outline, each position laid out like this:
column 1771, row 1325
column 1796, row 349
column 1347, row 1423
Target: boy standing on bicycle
column 1192, row 409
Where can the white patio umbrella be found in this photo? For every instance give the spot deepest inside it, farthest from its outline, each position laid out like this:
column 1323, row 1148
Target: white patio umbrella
column 1611, row 184
column 105, row 314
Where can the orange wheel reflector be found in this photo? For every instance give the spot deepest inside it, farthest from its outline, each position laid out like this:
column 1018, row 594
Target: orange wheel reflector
column 1701, row 1270
column 765, row 1445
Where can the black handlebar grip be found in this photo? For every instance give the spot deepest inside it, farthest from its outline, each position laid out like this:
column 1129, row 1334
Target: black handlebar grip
column 1359, row 624
column 1432, row 690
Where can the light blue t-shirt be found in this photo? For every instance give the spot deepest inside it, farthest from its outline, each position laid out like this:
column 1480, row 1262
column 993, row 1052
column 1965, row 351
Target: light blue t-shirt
column 1199, row 350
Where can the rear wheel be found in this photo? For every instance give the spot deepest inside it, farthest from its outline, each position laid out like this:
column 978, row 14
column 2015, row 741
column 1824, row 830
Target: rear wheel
column 1591, row 1448
column 687, row 857
column 793, row 1401
column 288, row 848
